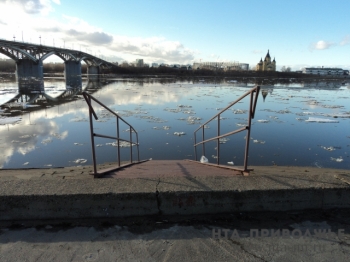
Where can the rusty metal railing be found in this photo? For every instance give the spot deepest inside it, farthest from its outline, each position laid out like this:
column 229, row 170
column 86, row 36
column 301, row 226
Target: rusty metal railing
column 252, row 106
column 88, row 99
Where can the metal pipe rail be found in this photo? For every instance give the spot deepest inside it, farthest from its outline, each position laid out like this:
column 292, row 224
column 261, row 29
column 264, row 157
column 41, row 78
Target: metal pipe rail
column 252, row 107
column 88, row 99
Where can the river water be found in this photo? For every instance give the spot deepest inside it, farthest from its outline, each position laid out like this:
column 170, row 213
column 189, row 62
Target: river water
column 295, row 124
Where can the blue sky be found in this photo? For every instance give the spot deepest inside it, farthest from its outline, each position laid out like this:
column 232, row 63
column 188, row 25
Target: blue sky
column 297, row 33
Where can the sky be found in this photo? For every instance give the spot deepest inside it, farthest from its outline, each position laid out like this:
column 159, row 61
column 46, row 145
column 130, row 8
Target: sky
column 298, row 33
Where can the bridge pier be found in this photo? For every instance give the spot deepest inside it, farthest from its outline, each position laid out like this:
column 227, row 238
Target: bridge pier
column 26, row 68
column 72, row 74
column 30, row 74
column 93, row 70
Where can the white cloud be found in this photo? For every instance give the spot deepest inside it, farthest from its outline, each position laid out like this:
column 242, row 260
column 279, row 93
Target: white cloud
column 43, row 7
column 257, row 51
column 72, row 32
column 346, row 40
column 321, row 45
column 153, row 48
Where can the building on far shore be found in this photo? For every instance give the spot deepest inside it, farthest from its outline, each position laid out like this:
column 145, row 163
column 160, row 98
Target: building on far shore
column 225, row 66
column 324, row 71
column 267, row 64
column 139, row 63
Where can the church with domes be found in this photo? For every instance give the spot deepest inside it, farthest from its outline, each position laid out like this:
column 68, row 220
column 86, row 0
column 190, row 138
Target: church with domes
column 267, row 64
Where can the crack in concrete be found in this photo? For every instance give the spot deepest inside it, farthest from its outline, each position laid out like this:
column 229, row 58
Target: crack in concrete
column 158, row 199
column 343, row 180
column 242, row 248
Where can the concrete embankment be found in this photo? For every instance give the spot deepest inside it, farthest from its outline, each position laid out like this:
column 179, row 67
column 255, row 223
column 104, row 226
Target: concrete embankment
column 167, row 187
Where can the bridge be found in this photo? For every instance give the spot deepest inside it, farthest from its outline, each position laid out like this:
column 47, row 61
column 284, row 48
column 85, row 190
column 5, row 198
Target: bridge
column 29, row 60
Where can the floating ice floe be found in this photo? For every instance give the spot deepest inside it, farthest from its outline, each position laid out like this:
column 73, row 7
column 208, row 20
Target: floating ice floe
column 179, row 133
column 153, row 119
column 332, row 106
column 221, row 118
column 10, row 120
column 321, row 120
column 309, row 113
column 166, row 127
column 239, row 111
column 173, row 110
column 230, row 163
column 80, row 161
column 223, row 140
column 191, row 120
column 26, row 163
column 330, row 148
column 263, row 121
column 346, row 115
column 286, row 111
column 339, row 159
column 190, row 112
column 184, row 106
column 258, row 141
column 78, row 144
column 121, row 144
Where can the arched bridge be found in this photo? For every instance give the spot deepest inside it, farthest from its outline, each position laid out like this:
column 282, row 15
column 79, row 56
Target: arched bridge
column 29, row 59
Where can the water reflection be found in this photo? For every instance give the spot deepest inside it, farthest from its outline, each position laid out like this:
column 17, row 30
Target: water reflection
column 50, row 127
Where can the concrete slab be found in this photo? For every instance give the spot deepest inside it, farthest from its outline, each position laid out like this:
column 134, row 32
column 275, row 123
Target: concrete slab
column 168, row 188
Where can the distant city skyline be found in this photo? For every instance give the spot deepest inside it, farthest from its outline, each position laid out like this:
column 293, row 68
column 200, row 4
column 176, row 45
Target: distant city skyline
column 298, row 33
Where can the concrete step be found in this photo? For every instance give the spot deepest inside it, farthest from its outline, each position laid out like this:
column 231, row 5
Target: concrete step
column 175, row 187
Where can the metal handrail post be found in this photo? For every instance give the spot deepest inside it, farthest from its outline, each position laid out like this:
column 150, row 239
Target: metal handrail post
column 248, row 133
column 130, row 145
column 92, row 136
column 255, row 100
column 203, row 146
column 195, row 147
column 218, row 143
column 138, row 150
column 118, row 141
